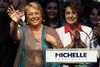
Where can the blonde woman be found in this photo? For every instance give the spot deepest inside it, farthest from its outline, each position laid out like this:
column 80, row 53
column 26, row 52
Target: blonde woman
column 34, row 37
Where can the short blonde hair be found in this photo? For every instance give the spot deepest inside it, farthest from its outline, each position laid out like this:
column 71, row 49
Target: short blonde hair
column 36, row 6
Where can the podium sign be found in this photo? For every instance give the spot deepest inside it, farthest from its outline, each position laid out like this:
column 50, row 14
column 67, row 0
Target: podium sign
column 71, row 55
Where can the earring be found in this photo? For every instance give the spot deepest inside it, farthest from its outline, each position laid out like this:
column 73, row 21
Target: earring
column 27, row 23
column 43, row 20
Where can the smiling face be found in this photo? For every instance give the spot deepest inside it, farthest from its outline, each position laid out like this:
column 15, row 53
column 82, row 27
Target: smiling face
column 34, row 16
column 3, row 5
column 71, row 16
column 93, row 14
column 52, row 10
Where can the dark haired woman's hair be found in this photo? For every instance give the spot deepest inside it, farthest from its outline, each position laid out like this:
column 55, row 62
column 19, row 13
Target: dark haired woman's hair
column 74, row 6
column 88, row 10
column 57, row 19
column 48, row 1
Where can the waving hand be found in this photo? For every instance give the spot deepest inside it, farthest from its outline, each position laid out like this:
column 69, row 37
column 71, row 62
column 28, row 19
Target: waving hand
column 15, row 15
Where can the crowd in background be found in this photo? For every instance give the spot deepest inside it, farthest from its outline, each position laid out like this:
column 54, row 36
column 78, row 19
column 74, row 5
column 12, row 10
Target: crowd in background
column 53, row 17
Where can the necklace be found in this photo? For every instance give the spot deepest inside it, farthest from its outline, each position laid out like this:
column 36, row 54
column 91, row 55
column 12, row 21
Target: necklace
column 37, row 31
column 37, row 35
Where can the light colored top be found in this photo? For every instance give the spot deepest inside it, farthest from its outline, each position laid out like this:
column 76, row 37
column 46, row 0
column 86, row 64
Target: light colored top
column 86, row 36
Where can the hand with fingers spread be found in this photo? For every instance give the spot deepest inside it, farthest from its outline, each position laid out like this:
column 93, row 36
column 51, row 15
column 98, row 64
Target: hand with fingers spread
column 15, row 15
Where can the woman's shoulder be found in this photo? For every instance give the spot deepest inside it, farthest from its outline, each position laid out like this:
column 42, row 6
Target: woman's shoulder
column 59, row 29
column 49, row 30
column 84, row 27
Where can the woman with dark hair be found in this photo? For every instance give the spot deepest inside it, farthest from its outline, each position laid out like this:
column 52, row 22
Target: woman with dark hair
column 73, row 34
column 52, row 13
column 92, row 16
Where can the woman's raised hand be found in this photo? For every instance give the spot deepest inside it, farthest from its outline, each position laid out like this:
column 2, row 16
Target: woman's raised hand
column 15, row 15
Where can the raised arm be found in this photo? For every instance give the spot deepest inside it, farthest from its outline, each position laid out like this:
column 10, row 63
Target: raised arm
column 15, row 16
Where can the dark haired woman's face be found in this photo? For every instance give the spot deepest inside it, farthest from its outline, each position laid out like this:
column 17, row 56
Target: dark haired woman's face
column 94, row 16
column 71, row 16
column 52, row 10
column 3, row 5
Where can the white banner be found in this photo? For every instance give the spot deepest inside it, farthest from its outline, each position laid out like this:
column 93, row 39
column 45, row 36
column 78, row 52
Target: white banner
column 71, row 55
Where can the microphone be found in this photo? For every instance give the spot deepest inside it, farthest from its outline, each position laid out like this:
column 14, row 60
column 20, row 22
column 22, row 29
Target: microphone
column 88, row 37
